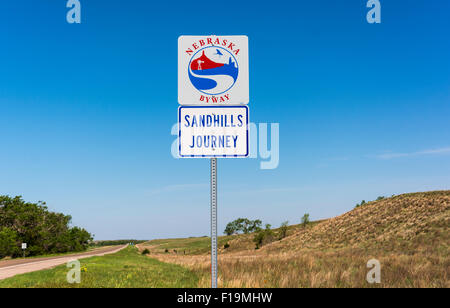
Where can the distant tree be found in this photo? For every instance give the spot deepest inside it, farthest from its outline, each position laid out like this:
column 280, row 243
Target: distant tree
column 380, row 198
column 117, row 242
column 42, row 230
column 360, row 204
column 283, row 230
column 231, row 228
column 305, row 220
column 255, row 225
column 263, row 236
column 243, row 225
column 8, row 242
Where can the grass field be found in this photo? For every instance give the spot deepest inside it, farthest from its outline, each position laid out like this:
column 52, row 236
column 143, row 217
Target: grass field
column 125, row 269
column 409, row 234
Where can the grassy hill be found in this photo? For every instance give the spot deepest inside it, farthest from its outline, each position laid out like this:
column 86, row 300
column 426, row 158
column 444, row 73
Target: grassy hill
column 406, row 223
column 409, row 235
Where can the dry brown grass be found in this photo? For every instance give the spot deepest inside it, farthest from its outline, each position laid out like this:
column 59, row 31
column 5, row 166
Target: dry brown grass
column 318, row 269
column 408, row 234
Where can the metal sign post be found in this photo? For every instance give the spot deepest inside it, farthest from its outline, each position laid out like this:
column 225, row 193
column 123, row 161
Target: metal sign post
column 213, row 222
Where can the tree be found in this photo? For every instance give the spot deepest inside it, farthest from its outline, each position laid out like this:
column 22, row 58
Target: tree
column 360, row 204
column 263, row 236
column 283, row 230
column 231, row 228
column 42, row 230
column 8, row 242
column 243, row 225
column 305, row 220
column 255, row 225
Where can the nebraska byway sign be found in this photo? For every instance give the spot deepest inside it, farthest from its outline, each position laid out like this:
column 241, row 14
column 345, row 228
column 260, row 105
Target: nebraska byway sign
column 213, row 70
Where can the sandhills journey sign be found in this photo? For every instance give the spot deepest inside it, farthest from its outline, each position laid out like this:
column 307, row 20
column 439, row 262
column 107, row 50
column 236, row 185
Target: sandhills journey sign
column 219, row 131
column 213, row 117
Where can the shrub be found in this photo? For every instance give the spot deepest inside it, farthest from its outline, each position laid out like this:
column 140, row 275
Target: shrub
column 8, row 243
column 263, row 236
column 283, row 230
column 145, row 251
column 305, row 220
column 226, row 246
column 42, row 230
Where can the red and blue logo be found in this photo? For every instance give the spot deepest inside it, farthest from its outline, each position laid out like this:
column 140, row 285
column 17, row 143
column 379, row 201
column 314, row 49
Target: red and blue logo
column 213, row 70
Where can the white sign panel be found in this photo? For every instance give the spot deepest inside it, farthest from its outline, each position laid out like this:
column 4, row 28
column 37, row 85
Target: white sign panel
column 219, row 131
column 24, row 245
column 213, row 70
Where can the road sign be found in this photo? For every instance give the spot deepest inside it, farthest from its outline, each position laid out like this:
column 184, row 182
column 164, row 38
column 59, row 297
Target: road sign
column 24, row 245
column 219, row 131
column 213, row 70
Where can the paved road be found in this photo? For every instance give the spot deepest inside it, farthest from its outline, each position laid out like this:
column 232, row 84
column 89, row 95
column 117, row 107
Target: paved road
column 10, row 268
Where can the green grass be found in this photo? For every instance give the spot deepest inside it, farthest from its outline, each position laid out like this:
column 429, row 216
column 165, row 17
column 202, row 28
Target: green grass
column 125, row 269
column 192, row 245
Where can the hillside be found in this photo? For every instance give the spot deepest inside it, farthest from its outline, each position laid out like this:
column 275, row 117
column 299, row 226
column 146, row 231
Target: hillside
column 408, row 234
column 404, row 223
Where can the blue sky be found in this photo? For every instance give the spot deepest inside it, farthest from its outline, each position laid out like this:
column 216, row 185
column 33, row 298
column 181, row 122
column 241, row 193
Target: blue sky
column 86, row 110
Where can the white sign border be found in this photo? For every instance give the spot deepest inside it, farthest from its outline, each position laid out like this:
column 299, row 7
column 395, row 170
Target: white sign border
column 213, row 156
column 182, row 80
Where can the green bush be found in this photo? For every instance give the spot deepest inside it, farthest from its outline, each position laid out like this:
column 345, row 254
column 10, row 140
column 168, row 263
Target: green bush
column 283, row 230
column 9, row 245
column 44, row 231
column 145, row 251
column 360, row 204
column 263, row 237
column 226, row 246
column 305, row 220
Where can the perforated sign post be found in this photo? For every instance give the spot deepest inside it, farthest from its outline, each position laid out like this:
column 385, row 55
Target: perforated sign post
column 24, row 247
column 213, row 118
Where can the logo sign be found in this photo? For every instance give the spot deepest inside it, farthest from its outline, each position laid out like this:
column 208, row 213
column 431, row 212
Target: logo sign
column 217, row 131
column 24, row 245
column 213, row 70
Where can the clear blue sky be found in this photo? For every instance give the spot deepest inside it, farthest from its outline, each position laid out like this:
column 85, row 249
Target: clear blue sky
column 86, row 110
